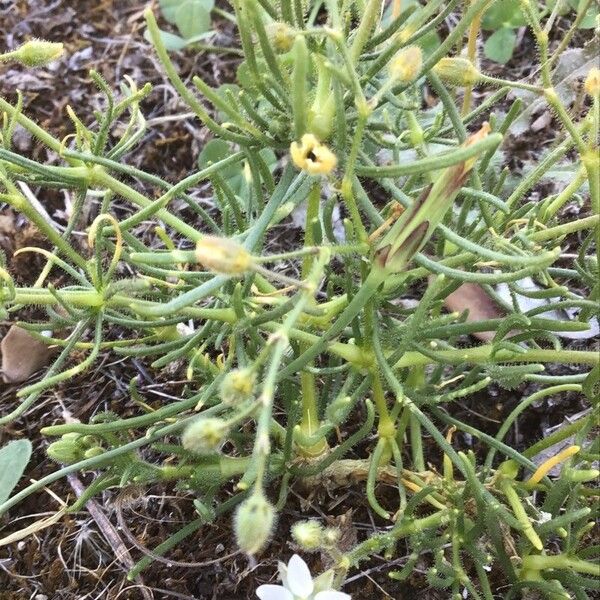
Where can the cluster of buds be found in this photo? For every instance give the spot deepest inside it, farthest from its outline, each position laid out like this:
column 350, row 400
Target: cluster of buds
column 311, row 535
column 73, row 447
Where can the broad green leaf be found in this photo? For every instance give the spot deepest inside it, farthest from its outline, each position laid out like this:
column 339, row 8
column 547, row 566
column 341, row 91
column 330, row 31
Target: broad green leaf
column 429, row 43
column 14, row 457
column 503, row 13
column 500, row 45
column 168, row 8
column 213, row 152
column 171, row 41
column 193, row 17
column 589, row 21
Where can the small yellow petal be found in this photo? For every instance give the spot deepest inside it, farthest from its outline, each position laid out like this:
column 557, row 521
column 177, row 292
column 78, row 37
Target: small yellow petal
column 312, row 156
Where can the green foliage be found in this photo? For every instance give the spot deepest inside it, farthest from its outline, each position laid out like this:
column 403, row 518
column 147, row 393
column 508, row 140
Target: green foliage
column 298, row 354
column 14, row 457
column 192, row 18
column 504, row 16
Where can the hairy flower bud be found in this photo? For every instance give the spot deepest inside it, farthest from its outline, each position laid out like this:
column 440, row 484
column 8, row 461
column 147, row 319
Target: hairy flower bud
column 308, row 535
column 93, row 452
column 331, row 536
column 237, row 385
column 223, row 255
column 405, row 66
column 592, row 83
column 253, row 523
column 581, row 475
column 457, row 71
column 281, row 36
column 204, row 435
column 37, row 53
column 67, row 450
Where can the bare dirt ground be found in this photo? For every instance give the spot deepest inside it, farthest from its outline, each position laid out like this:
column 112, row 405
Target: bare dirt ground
column 75, row 559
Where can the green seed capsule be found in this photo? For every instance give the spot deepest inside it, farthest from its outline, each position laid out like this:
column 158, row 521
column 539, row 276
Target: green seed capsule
column 253, row 523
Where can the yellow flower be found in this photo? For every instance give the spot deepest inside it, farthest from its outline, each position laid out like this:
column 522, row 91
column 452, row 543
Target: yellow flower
column 312, row 156
column 281, row 36
column 592, row 82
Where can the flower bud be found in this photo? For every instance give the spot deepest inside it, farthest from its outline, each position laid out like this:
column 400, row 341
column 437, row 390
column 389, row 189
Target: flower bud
column 204, row 435
column 509, row 468
column 312, row 156
column 405, row 66
column 457, row 71
column 253, row 523
column 223, row 255
column 65, row 450
column 281, row 36
column 37, row 53
column 237, row 385
column 308, row 535
column 592, row 83
column 93, row 452
column 582, row 475
column 331, row 536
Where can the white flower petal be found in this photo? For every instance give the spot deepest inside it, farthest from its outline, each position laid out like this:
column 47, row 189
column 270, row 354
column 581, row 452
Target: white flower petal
column 273, row 592
column 324, row 581
column 331, row 595
column 283, row 573
column 299, row 581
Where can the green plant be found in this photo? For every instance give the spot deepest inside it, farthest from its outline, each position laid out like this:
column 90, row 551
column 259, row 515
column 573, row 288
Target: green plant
column 290, row 344
column 504, row 16
column 193, row 20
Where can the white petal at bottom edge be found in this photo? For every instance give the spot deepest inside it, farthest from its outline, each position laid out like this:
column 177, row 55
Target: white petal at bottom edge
column 332, row 596
column 299, row 581
column 274, row 592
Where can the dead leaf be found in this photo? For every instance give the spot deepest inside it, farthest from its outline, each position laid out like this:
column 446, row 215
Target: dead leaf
column 471, row 297
column 22, row 355
column 35, row 527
